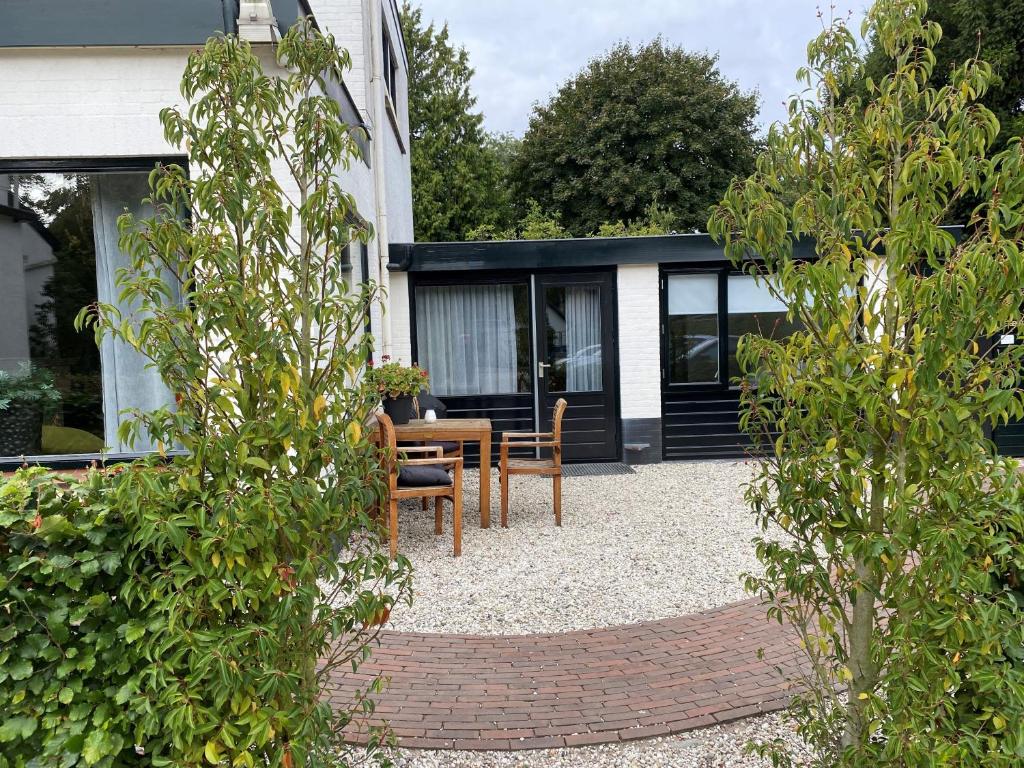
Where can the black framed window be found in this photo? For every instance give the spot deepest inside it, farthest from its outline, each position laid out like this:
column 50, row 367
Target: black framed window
column 706, row 312
column 390, row 66
column 754, row 310
column 474, row 338
column 693, row 328
column 60, row 394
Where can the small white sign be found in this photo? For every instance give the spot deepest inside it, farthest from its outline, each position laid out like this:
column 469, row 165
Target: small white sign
column 1007, row 339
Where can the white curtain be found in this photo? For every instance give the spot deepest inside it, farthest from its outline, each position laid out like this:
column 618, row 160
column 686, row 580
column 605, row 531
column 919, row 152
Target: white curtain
column 127, row 381
column 583, row 338
column 466, row 336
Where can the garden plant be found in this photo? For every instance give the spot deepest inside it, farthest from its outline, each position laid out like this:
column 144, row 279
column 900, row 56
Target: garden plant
column 187, row 609
column 902, row 562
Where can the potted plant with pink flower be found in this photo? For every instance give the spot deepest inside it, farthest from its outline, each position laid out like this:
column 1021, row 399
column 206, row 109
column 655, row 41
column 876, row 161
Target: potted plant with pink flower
column 398, row 385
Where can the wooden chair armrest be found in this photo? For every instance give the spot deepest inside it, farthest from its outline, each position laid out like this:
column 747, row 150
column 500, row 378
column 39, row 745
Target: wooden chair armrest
column 433, row 450
column 509, row 436
column 438, row 462
column 542, row 444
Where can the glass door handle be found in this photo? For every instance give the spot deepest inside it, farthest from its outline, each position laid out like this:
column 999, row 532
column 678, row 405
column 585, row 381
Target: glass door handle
column 540, row 369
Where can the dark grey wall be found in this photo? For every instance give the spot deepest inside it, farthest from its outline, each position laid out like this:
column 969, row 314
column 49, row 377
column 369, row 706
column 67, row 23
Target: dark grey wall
column 125, row 22
column 641, row 441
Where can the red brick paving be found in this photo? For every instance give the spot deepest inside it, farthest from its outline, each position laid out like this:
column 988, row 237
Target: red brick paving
column 590, row 687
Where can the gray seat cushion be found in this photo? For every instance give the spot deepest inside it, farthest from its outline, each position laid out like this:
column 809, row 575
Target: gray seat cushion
column 423, row 477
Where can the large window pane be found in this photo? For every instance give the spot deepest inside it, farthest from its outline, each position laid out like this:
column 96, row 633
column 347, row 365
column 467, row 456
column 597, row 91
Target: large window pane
column 573, row 326
column 474, row 339
column 753, row 309
column 59, row 253
column 693, row 328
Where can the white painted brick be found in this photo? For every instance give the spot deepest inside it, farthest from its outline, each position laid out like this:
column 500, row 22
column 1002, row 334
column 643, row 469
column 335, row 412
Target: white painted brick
column 639, row 341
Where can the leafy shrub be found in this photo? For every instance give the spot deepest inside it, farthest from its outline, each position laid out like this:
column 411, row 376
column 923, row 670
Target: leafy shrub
column 250, row 568
column 69, row 663
column 905, row 530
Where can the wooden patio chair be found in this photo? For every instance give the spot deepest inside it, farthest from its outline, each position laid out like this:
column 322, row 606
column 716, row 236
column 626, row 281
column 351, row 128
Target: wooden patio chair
column 420, row 478
column 551, row 467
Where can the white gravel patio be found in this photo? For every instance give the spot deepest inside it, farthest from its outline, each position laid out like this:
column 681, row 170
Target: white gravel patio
column 670, row 539
column 715, row 747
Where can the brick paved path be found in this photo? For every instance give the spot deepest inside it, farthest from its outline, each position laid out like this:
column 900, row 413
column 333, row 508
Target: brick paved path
column 589, row 687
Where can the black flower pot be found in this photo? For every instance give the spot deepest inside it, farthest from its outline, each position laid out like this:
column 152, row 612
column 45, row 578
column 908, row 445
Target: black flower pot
column 21, row 429
column 400, row 409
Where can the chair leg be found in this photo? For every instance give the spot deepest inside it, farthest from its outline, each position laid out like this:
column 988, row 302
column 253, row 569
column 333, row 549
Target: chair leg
column 393, row 526
column 424, row 501
column 557, row 483
column 456, row 519
column 504, row 496
column 438, row 514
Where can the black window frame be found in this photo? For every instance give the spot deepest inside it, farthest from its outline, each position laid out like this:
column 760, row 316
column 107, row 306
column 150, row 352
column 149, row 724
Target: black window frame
column 124, row 164
column 516, row 277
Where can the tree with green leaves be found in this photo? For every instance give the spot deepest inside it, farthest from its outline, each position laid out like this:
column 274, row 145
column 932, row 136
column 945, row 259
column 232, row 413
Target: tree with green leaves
column 992, row 30
column 901, row 563
column 637, row 127
column 207, row 597
column 457, row 169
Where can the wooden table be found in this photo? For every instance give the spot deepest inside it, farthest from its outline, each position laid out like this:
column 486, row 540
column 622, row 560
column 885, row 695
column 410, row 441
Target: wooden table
column 454, row 430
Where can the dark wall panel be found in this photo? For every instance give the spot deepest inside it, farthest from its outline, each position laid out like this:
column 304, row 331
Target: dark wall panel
column 1010, row 439
column 125, row 22
column 508, row 413
column 702, row 424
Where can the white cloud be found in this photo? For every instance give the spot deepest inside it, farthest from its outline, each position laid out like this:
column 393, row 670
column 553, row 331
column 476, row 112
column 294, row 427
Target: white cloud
column 522, row 51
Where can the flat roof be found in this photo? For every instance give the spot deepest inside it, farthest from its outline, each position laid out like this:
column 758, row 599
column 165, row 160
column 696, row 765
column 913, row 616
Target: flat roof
column 561, row 254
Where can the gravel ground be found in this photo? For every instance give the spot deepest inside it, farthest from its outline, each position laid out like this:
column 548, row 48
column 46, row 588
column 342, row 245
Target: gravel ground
column 717, row 747
column 669, row 540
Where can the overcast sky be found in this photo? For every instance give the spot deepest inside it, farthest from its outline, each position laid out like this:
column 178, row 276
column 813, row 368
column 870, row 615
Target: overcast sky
column 523, row 50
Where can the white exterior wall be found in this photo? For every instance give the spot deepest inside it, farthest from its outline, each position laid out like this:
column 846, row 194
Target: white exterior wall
column 401, row 322
column 105, row 103
column 86, row 102
column 639, row 341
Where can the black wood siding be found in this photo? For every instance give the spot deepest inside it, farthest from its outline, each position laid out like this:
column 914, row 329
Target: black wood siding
column 1010, row 439
column 508, row 413
column 699, row 423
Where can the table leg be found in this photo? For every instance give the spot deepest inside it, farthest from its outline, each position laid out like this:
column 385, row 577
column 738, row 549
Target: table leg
column 485, row 479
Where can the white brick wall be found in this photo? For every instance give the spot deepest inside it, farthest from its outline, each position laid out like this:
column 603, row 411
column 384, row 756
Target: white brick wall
column 639, row 341
column 398, row 316
column 86, row 102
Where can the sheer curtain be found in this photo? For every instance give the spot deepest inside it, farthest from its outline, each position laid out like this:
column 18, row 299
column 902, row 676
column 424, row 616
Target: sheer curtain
column 127, row 381
column 583, row 338
column 466, row 336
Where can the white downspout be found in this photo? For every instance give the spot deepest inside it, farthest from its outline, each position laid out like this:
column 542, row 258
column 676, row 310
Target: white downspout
column 379, row 175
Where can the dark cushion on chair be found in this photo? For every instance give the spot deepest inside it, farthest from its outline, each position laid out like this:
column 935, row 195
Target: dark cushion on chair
column 447, row 446
column 430, row 403
column 423, row 477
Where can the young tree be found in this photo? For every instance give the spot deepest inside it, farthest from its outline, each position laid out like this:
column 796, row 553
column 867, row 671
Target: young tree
column 638, row 127
column 257, row 564
column 457, row 170
column 904, row 550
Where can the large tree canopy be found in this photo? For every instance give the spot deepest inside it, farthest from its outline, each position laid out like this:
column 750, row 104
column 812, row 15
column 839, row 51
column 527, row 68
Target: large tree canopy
column 654, row 125
column 992, row 30
column 456, row 169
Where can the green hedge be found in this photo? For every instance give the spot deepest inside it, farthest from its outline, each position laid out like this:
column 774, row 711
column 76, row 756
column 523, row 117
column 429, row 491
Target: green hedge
column 146, row 621
column 69, row 664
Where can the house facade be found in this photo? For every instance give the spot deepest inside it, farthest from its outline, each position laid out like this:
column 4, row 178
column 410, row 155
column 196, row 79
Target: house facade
column 639, row 335
column 82, row 85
